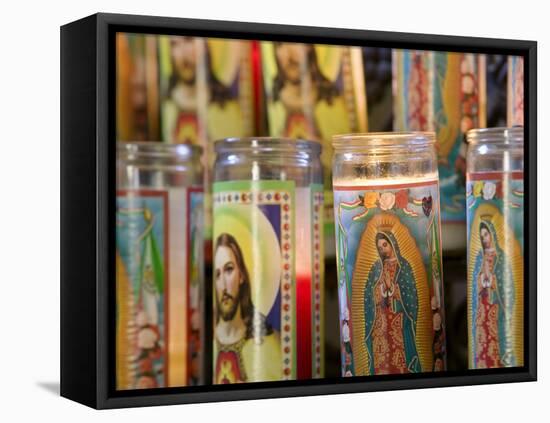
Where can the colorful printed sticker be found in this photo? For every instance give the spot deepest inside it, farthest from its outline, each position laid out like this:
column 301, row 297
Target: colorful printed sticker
column 389, row 278
column 495, row 269
column 268, row 281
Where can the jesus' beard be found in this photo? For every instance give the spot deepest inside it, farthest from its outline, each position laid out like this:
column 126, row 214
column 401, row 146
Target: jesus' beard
column 227, row 312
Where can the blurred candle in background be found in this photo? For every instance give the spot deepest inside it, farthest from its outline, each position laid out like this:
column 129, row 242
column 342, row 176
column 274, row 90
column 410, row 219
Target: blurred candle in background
column 137, row 88
column 515, row 95
column 442, row 92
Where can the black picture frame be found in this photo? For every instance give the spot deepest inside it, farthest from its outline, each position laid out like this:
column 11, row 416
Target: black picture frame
column 88, row 195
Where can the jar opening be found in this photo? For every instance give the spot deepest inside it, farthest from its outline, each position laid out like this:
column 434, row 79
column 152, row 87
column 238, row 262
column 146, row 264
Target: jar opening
column 267, row 144
column 384, row 139
column 512, row 135
column 157, row 150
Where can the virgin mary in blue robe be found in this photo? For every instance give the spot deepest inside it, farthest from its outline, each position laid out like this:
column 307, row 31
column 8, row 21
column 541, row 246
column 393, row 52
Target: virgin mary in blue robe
column 401, row 303
column 494, row 293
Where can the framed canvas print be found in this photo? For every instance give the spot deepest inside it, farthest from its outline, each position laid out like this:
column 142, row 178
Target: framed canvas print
column 259, row 211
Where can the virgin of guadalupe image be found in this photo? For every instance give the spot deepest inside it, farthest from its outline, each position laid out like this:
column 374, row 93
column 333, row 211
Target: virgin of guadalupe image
column 390, row 301
column 246, row 348
column 391, row 310
column 492, row 302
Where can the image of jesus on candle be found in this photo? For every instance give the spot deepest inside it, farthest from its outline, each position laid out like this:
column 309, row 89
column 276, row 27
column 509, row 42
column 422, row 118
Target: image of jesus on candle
column 246, row 344
column 247, row 348
column 391, row 308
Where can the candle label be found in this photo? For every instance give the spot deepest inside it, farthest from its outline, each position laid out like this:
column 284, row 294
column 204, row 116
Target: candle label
column 267, row 249
column 441, row 92
column 159, row 301
column 495, row 269
column 389, row 278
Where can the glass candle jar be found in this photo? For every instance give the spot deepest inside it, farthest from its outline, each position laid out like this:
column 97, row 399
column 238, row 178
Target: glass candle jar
column 495, row 247
column 390, row 286
column 268, row 260
column 159, row 262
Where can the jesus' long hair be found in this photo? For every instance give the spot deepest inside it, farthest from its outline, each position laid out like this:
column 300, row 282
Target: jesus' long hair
column 256, row 324
column 325, row 88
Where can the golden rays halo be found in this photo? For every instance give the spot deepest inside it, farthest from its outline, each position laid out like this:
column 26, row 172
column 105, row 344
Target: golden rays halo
column 260, row 248
column 512, row 250
column 367, row 255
